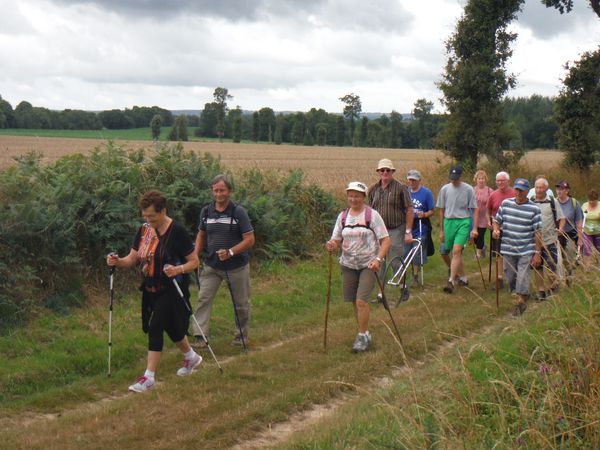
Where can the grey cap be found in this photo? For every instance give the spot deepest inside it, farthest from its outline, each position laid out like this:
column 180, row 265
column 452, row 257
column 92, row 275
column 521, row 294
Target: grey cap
column 413, row 175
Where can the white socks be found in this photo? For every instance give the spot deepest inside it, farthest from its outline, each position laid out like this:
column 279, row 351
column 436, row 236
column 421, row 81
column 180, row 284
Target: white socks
column 149, row 374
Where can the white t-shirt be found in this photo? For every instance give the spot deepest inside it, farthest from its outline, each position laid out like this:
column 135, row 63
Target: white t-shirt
column 360, row 245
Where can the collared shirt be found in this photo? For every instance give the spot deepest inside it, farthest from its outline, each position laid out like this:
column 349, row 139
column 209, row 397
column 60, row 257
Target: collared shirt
column 390, row 203
column 549, row 225
column 519, row 224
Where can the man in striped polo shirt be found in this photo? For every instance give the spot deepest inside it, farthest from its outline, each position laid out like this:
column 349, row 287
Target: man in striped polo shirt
column 225, row 235
column 391, row 200
column 520, row 221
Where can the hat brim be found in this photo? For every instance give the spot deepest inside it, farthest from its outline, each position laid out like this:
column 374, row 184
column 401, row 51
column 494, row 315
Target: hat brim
column 454, row 176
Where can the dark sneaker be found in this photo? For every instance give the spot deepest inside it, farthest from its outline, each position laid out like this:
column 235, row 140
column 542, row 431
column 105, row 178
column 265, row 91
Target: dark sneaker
column 189, row 365
column 361, row 343
column 237, row 341
column 142, row 384
column 378, row 299
column 449, row 288
column 199, row 343
column 519, row 309
column 463, row 283
column 541, row 296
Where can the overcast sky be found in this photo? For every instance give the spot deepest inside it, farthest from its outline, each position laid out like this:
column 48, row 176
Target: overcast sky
column 289, row 55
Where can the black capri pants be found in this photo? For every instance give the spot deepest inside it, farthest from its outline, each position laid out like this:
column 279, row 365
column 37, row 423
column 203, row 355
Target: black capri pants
column 164, row 311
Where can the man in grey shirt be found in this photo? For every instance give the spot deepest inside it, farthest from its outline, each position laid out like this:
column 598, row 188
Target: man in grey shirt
column 458, row 205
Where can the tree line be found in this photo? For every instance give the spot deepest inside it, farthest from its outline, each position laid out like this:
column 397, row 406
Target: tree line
column 529, row 123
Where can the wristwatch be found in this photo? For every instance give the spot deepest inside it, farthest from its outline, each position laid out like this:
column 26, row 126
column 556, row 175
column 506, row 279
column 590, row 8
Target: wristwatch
column 230, row 253
column 378, row 258
column 408, row 232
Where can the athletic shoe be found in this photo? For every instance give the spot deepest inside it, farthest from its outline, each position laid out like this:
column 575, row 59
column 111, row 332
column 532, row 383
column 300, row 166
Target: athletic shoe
column 378, row 299
column 519, row 309
column 361, row 343
column 189, row 365
column 449, row 288
column 142, row 384
column 463, row 283
column 237, row 341
column 199, row 343
column 405, row 295
column 541, row 296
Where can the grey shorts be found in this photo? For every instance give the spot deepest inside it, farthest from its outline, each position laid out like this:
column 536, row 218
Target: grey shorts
column 357, row 284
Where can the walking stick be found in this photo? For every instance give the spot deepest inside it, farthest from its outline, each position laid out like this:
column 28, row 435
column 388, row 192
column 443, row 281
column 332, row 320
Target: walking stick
column 329, row 267
column 235, row 312
column 497, row 284
column 490, row 264
column 111, row 296
column 189, row 309
column 479, row 264
column 387, row 307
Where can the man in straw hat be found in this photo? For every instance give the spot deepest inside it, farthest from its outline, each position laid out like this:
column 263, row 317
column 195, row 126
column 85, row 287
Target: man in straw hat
column 391, row 200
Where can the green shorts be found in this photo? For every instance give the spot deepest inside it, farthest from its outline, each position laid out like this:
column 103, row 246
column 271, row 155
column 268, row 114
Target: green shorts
column 456, row 232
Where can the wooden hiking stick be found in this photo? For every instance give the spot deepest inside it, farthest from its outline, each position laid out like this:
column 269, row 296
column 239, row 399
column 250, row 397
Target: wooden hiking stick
column 329, row 270
column 479, row 264
column 497, row 284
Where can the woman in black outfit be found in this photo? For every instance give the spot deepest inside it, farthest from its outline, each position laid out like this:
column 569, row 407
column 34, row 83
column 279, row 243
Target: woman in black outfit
column 163, row 250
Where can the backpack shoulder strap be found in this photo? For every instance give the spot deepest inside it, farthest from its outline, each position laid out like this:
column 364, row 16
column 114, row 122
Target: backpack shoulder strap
column 344, row 217
column 553, row 207
column 368, row 214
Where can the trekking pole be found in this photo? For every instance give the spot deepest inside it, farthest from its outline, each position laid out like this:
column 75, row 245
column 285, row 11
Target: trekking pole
column 422, row 265
column 235, row 312
column 387, row 307
column 328, row 298
column 479, row 264
column 111, row 296
column 189, row 309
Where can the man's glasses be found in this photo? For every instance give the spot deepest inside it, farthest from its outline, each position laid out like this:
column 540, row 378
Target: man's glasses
column 385, row 170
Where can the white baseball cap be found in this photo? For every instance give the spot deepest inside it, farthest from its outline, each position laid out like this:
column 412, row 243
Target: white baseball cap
column 357, row 186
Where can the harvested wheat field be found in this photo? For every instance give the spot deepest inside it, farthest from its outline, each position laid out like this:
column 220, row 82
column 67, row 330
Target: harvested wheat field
column 330, row 167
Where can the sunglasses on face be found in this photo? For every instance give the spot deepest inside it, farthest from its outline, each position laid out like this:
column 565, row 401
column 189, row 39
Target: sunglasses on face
column 385, row 170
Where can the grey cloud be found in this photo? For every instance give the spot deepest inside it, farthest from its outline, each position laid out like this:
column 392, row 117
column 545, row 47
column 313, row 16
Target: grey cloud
column 548, row 22
column 232, row 10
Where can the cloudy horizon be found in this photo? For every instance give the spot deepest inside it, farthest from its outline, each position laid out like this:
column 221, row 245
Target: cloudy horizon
column 289, row 55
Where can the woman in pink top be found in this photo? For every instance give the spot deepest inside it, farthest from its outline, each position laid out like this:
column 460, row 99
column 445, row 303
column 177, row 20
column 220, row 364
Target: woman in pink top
column 482, row 221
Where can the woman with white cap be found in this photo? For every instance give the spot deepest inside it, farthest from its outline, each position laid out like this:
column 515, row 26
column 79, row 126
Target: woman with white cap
column 364, row 240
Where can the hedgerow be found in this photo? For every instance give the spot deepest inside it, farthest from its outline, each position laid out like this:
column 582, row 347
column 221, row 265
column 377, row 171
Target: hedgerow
column 58, row 221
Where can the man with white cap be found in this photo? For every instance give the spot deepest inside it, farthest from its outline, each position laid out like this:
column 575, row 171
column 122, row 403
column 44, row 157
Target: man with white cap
column 391, row 200
column 423, row 206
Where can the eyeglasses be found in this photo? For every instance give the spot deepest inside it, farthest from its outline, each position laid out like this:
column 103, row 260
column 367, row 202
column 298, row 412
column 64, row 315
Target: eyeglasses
column 386, row 170
column 500, row 179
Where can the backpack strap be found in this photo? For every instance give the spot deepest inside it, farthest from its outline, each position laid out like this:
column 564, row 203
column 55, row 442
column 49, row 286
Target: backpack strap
column 553, row 207
column 368, row 215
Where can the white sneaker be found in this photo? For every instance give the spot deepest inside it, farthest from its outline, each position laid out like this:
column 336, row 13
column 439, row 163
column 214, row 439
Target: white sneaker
column 189, row 365
column 142, row 384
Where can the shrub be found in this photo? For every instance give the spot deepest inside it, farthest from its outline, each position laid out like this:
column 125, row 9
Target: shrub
column 57, row 222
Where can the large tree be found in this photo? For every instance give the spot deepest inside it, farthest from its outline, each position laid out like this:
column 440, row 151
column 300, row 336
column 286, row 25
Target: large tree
column 352, row 110
column 577, row 111
column 567, row 5
column 221, row 96
column 475, row 79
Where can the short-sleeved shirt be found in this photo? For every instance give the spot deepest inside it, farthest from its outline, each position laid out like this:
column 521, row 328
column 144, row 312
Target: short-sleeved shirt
column 223, row 230
column 170, row 248
column 549, row 227
column 390, row 202
column 572, row 211
column 457, row 201
column 482, row 196
column 360, row 244
column 519, row 224
column 496, row 199
column 422, row 201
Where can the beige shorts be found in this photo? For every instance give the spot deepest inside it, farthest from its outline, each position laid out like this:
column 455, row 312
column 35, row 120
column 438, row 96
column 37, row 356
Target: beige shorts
column 357, row 284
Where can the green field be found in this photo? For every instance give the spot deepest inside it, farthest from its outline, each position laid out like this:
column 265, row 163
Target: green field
column 132, row 134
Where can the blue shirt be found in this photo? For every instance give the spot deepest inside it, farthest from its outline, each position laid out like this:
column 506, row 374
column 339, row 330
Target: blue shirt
column 422, row 201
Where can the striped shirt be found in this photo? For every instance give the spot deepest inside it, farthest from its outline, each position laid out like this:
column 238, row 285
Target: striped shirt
column 519, row 223
column 390, row 203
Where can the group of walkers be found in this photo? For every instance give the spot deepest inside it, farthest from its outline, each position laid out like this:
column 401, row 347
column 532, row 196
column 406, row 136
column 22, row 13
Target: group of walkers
column 383, row 223
column 530, row 229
